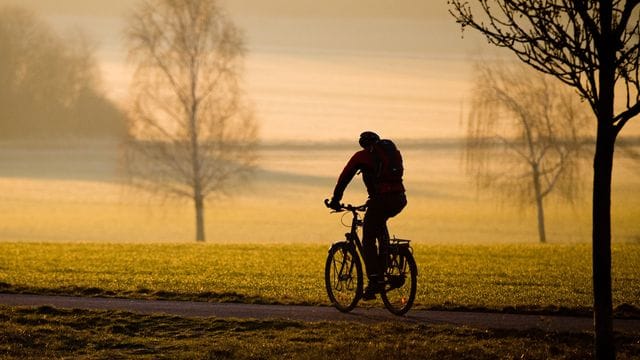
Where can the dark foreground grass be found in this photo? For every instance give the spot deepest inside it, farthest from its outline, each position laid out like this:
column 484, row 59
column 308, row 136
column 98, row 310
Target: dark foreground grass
column 46, row 332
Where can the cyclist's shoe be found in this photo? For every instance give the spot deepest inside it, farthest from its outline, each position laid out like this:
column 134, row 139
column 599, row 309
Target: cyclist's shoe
column 396, row 281
column 371, row 290
column 369, row 293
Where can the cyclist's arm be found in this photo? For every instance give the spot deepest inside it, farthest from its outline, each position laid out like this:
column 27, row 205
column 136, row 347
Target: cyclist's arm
column 349, row 171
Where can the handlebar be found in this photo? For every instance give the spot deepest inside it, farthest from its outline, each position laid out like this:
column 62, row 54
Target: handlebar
column 347, row 207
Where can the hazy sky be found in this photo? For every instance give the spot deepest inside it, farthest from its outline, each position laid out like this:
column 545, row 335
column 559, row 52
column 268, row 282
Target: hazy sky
column 372, row 25
column 413, row 9
column 320, row 69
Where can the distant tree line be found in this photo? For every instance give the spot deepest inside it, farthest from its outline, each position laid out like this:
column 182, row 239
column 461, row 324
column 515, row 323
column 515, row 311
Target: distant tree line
column 50, row 85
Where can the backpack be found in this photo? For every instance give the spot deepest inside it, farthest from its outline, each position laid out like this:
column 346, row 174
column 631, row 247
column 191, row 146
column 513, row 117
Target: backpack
column 389, row 168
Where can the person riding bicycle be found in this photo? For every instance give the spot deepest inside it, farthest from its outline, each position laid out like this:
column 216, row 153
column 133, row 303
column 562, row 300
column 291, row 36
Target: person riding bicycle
column 381, row 166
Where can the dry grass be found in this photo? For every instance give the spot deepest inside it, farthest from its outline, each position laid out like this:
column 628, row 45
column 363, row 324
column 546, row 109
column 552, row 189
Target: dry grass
column 46, row 333
column 523, row 278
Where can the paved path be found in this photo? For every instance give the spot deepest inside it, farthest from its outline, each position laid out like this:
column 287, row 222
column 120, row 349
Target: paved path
column 318, row 313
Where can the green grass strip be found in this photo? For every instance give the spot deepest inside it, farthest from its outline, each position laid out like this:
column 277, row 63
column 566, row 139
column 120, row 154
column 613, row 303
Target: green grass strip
column 514, row 278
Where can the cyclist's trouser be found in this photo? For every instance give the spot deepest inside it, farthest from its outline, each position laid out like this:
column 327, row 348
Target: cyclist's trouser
column 380, row 208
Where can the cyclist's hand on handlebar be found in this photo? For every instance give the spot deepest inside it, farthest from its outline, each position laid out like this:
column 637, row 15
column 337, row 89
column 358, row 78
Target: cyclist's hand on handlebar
column 333, row 204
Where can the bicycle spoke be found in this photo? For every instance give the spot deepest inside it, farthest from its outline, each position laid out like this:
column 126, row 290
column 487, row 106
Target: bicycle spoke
column 400, row 284
column 343, row 275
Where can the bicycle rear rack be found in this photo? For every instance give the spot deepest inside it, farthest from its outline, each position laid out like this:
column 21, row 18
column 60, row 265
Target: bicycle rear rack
column 399, row 242
column 396, row 245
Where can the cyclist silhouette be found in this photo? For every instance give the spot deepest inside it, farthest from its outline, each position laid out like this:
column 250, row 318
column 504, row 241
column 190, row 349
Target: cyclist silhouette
column 380, row 164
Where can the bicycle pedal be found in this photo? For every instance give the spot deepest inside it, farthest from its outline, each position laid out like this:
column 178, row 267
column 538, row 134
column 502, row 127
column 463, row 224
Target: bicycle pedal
column 368, row 297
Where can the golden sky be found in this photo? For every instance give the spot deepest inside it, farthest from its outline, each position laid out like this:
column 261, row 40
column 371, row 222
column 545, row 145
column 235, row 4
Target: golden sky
column 355, row 25
column 409, row 9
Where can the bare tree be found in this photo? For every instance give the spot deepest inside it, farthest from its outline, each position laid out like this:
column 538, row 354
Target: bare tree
column 594, row 47
column 192, row 136
column 525, row 136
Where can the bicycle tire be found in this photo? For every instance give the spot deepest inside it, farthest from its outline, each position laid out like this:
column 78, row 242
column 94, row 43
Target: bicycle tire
column 400, row 288
column 344, row 287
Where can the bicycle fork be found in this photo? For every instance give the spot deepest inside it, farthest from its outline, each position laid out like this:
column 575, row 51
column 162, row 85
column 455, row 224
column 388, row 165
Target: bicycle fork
column 346, row 269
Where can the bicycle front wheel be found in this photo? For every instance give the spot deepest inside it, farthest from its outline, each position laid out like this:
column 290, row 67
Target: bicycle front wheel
column 400, row 282
column 343, row 276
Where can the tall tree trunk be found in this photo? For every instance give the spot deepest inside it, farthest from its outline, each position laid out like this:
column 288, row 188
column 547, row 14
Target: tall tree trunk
column 539, row 205
column 541, row 228
column 602, row 167
column 198, row 196
column 602, row 299
column 199, row 203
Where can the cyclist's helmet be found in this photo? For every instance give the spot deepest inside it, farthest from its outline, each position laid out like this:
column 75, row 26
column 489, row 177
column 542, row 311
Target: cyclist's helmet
column 368, row 138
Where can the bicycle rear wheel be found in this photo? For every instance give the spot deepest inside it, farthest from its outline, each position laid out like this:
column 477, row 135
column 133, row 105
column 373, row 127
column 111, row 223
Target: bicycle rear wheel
column 343, row 276
column 400, row 281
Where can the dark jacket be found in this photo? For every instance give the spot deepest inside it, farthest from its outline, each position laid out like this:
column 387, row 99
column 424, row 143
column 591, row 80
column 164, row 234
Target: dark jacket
column 364, row 162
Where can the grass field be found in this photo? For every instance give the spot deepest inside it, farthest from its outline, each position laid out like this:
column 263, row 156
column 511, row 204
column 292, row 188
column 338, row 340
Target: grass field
column 46, row 333
column 499, row 277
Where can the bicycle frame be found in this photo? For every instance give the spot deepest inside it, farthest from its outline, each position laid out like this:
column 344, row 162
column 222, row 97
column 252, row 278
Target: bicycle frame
column 352, row 236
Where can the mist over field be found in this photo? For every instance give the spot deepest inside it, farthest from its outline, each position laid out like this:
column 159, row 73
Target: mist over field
column 77, row 195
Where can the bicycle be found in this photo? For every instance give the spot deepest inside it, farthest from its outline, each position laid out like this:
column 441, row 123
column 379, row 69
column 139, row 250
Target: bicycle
column 343, row 269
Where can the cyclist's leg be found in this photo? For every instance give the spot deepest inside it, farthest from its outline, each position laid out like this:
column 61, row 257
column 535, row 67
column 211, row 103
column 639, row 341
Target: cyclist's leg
column 383, row 246
column 379, row 210
column 372, row 229
column 393, row 203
